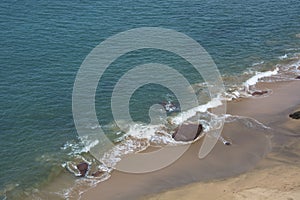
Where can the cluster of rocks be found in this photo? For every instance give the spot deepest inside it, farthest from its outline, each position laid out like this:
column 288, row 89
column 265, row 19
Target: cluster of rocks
column 83, row 168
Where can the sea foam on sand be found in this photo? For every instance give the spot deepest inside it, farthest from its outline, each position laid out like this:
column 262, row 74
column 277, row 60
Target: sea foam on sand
column 249, row 146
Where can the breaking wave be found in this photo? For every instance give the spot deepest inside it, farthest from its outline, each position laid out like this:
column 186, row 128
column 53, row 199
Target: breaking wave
column 140, row 136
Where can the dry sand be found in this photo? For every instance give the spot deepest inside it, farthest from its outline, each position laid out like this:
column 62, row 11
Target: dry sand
column 240, row 171
column 281, row 182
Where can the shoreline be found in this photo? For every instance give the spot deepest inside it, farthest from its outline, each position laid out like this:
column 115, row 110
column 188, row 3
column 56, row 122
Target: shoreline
column 247, row 153
column 276, row 176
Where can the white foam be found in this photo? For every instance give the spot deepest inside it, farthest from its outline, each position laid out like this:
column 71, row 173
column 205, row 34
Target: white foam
column 296, row 65
column 185, row 115
column 129, row 145
column 283, row 57
column 229, row 96
column 71, row 167
column 138, row 138
column 247, row 121
column 259, row 75
column 141, row 131
column 170, row 107
column 291, row 67
column 88, row 145
column 77, row 148
column 292, row 49
column 258, row 63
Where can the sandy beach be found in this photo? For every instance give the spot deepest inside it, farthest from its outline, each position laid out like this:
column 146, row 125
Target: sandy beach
column 270, row 183
column 261, row 163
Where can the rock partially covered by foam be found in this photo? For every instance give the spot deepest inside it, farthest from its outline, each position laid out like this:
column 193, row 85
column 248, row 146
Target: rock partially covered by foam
column 187, row 132
column 295, row 115
column 298, row 77
column 170, row 106
column 83, row 168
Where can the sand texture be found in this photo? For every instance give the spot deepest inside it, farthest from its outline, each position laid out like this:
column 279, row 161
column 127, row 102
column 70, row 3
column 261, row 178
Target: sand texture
column 260, row 164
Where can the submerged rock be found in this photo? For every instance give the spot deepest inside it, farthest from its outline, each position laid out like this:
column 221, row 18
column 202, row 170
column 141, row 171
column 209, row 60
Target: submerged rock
column 259, row 93
column 187, row 132
column 97, row 173
column 295, row 115
column 83, row 168
column 170, row 106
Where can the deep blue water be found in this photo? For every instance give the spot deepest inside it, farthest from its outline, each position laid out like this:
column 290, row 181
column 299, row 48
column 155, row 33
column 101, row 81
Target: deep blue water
column 43, row 43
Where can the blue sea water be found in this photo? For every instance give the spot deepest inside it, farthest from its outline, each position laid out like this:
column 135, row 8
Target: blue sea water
column 43, row 43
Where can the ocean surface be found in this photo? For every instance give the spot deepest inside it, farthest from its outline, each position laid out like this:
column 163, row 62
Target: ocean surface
column 42, row 46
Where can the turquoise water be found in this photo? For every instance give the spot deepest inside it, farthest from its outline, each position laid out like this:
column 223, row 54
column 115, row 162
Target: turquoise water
column 43, row 43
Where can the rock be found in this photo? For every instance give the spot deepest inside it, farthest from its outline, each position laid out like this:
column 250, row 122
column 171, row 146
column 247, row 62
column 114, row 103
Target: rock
column 170, row 106
column 298, row 77
column 83, row 168
column 97, row 173
column 187, row 132
column 295, row 115
column 259, row 93
column 225, row 142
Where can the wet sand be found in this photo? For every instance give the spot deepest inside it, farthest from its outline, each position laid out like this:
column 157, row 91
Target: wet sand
column 250, row 151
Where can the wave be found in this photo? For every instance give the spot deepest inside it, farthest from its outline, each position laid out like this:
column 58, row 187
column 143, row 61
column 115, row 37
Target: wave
column 285, row 56
column 76, row 148
column 185, row 115
column 258, row 76
column 258, row 63
column 140, row 136
column 246, row 121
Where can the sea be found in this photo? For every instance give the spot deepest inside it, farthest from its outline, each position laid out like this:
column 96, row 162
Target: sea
column 43, row 44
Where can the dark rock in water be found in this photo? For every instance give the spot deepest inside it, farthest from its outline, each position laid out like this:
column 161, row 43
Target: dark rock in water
column 295, row 115
column 187, row 132
column 298, row 77
column 170, row 106
column 258, row 93
column 97, row 173
column 83, row 168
